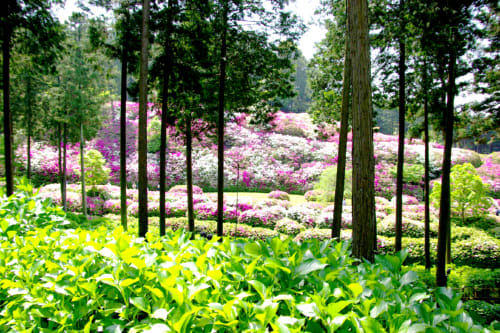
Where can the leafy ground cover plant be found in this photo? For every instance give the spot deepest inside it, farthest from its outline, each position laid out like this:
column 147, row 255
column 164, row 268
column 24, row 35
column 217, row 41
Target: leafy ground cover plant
column 60, row 280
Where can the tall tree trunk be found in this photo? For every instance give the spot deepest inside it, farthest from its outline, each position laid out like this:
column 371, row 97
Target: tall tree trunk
column 401, row 141
column 64, row 176
column 7, row 121
column 82, row 173
column 364, row 229
column 189, row 175
column 220, row 124
column 444, row 209
column 59, row 156
column 29, row 113
column 143, row 105
column 426, row 172
column 344, row 124
column 164, row 121
column 123, row 140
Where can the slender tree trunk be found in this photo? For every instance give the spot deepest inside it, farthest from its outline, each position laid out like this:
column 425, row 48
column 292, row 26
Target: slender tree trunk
column 82, row 173
column 29, row 113
column 426, row 173
column 401, row 141
column 364, row 228
column 123, row 140
column 220, row 125
column 7, row 121
column 64, row 177
column 59, row 156
column 143, row 105
column 189, row 175
column 164, row 121
column 444, row 209
column 344, row 124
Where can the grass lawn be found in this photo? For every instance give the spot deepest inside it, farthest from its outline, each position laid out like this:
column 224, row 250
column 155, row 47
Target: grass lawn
column 295, row 199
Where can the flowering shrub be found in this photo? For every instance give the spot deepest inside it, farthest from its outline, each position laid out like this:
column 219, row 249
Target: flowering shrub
column 280, row 195
column 183, row 189
column 266, row 217
column 407, row 200
column 313, row 195
column 411, row 228
column 490, row 174
column 304, row 214
column 289, row 227
column 321, row 234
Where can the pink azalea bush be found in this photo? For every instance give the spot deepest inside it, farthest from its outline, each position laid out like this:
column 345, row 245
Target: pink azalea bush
column 280, row 195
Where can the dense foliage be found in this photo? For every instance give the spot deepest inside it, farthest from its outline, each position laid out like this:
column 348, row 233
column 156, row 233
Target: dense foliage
column 59, row 280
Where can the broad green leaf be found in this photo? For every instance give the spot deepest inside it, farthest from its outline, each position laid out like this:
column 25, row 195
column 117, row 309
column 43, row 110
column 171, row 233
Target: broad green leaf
column 193, row 290
column 259, row 287
column 408, row 278
column 309, row 266
column 253, row 249
column 155, row 291
column 215, row 274
column 141, row 303
column 371, row 325
column 176, row 295
column 378, row 309
column 334, row 309
column 128, row 282
column 180, row 326
column 356, row 289
column 415, row 328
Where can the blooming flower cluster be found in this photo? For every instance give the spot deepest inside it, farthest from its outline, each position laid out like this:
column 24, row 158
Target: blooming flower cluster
column 287, row 155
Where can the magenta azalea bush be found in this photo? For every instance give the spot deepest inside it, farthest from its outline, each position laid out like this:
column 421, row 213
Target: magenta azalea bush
column 288, row 155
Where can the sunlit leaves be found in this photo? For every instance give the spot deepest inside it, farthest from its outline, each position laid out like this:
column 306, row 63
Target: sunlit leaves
column 83, row 280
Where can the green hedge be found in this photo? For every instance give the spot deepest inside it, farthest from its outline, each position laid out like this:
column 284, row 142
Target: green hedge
column 479, row 250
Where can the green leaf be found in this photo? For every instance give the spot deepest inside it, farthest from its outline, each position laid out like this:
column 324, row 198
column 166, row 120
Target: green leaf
column 176, row 295
column 215, row 274
column 128, row 282
column 378, row 309
column 370, row 325
column 356, row 289
column 309, row 266
column 334, row 309
column 408, row 278
column 140, row 303
column 259, row 287
column 253, row 249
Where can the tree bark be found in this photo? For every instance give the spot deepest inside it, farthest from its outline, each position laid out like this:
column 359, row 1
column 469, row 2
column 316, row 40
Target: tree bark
column 344, row 124
column 164, row 121
column 401, row 139
column 444, row 209
column 220, row 124
column 7, row 121
column 426, row 172
column 82, row 173
column 29, row 113
column 363, row 234
column 123, row 140
column 189, row 175
column 143, row 105
column 64, row 177
column 59, row 157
